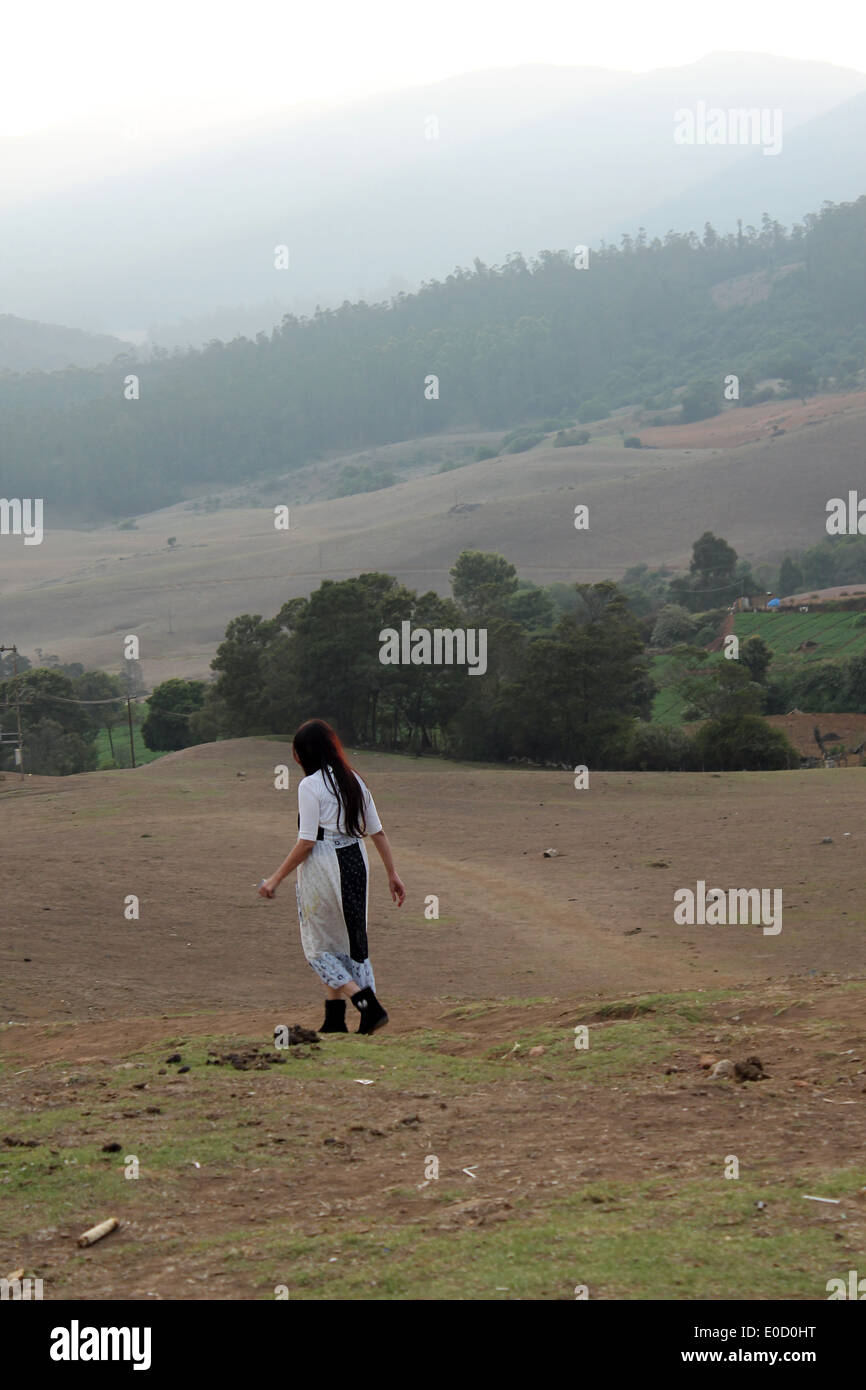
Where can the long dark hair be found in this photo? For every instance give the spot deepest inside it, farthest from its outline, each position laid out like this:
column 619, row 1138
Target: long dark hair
column 319, row 749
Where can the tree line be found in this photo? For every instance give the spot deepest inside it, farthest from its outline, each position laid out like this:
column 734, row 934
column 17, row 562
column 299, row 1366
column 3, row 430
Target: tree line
column 567, row 680
column 511, row 344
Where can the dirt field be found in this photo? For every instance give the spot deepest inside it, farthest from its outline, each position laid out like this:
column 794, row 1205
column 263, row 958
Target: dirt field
column 799, row 728
column 274, row 1168
column 744, row 426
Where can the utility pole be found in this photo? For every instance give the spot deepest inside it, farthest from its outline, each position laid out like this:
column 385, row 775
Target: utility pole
column 131, row 738
column 20, row 749
column 18, row 711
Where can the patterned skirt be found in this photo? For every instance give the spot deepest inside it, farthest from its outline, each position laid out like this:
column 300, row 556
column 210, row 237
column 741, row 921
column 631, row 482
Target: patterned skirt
column 332, row 892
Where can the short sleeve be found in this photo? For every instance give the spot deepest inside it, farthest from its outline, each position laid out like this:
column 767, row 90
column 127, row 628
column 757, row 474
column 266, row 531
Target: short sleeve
column 371, row 815
column 308, row 811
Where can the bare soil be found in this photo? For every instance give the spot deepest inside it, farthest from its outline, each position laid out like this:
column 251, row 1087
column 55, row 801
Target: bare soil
column 295, row 1150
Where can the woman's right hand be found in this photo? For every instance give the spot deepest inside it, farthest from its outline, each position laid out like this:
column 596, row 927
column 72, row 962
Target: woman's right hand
column 398, row 891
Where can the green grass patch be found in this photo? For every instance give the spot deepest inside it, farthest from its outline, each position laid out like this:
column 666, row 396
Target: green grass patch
column 706, row 1239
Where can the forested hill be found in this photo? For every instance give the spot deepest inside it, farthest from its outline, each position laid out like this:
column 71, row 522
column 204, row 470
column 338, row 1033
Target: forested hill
column 508, row 345
column 29, row 346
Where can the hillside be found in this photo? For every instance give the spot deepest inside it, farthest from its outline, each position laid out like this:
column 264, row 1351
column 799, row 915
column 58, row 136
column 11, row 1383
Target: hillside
column 808, row 636
column 81, row 591
column 46, row 347
column 199, row 226
column 493, row 348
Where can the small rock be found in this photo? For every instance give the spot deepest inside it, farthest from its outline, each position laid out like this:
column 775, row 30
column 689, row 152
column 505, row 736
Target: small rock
column 175, row 1057
column 827, row 840
column 536, row 1051
column 181, row 1070
column 707, row 1060
column 722, row 1069
column 551, row 853
column 111, row 1148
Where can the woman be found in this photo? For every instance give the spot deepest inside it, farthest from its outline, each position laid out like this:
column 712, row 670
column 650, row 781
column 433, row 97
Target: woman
column 335, row 812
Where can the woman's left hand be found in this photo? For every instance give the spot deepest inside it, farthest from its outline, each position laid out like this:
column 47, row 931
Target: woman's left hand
column 267, row 888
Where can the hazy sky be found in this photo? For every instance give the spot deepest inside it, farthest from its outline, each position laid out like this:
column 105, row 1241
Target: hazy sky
column 187, row 63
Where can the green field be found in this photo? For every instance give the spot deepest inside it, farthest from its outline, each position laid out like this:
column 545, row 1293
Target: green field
column 668, row 705
column 835, row 634
column 120, row 738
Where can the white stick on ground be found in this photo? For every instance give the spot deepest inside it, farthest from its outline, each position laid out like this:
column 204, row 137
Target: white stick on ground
column 97, row 1232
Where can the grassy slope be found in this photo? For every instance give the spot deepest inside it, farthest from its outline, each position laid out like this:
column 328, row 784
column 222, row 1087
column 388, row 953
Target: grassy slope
column 838, row 636
column 663, row 1229
column 645, row 505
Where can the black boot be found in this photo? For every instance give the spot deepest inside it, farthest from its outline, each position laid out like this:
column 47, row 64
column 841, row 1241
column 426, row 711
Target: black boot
column 335, row 1017
column 373, row 1016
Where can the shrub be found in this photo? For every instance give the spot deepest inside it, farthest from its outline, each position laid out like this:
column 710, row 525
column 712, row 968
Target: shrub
column 632, row 442
column 746, row 743
column 673, row 624
column 701, row 401
column 658, row 748
column 522, row 443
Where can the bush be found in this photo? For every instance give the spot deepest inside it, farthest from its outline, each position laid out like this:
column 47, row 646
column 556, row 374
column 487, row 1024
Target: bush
column 522, row 443
column 355, row 478
column 673, row 624
column 759, row 397
column 701, row 401
column 567, row 437
column 632, row 442
column 484, row 452
column 747, row 743
column 658, row 748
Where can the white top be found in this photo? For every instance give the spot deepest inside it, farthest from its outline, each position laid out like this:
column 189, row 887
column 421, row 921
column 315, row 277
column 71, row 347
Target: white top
column 317, row 805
